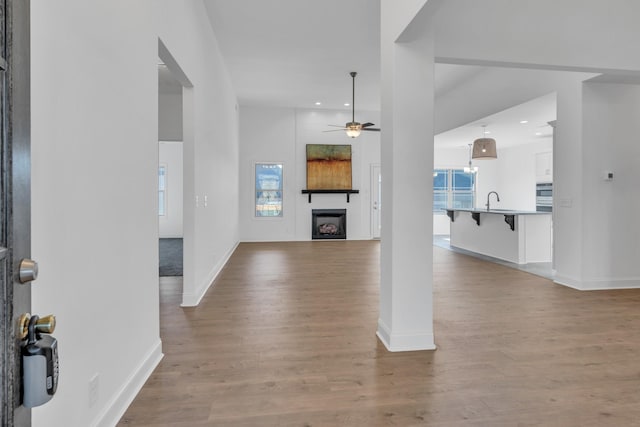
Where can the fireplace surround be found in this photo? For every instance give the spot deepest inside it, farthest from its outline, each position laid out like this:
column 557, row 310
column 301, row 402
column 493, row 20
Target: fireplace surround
column 328, row 224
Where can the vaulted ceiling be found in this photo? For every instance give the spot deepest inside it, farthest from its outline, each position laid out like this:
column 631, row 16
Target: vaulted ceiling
column 295, row 53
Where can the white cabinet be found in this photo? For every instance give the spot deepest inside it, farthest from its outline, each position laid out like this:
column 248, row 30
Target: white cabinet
column 529, row 241
column 544, row 167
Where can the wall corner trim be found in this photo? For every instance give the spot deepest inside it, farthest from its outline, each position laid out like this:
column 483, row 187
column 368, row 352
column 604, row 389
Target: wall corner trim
column 193, row 299
column 117, row 406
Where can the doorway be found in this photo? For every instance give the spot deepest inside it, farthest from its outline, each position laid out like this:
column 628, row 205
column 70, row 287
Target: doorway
column 176, row 215
column 170, row 208
column 170, row 181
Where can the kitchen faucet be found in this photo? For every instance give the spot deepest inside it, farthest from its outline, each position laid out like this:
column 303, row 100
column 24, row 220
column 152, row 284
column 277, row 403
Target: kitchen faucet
column 497, row 198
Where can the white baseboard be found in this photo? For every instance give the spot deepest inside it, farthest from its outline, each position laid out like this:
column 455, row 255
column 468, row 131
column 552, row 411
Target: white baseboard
column 193, row 299
column 404, row 342
column 598, row 284
column 117, row 406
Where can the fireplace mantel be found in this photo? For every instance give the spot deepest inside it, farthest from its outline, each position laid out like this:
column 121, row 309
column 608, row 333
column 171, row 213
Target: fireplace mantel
column 347, row 192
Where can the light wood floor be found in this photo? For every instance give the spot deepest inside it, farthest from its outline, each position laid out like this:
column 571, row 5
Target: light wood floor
column 286, row 337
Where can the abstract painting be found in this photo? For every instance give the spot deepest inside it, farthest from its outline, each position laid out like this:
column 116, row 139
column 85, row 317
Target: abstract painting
column 328, row 167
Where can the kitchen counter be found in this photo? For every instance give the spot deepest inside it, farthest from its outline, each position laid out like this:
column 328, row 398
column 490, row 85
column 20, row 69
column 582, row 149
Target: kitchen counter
column 517, row 236
column 501, row 211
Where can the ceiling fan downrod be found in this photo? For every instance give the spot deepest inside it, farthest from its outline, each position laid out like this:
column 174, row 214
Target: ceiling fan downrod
column 353, row 96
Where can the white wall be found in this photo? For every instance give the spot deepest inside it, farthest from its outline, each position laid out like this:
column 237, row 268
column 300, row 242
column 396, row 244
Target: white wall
column 94, row 187
column 571, row 34
column 496, row 89
column 596, row 234
column 169, row 116
column 512, row 175
column 170, row 155
column 94, row 231
column 280, row 135
column 611, row 231
column 211, row 150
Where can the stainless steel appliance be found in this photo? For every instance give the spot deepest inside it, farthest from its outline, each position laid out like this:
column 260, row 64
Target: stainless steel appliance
column 544, row 197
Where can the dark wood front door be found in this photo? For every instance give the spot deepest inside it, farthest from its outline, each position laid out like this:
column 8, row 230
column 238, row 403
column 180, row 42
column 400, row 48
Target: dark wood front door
column 15, row 214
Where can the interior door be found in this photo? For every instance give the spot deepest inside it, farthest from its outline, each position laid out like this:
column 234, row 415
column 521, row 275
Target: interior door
column 15, row 214
column 376, row 201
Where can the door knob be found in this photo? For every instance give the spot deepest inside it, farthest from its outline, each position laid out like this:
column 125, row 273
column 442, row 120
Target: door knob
column 27, row 271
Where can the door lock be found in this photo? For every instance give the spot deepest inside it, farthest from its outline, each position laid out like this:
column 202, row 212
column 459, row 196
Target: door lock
column 40, row 367
column 27, row 271
column 43, row 325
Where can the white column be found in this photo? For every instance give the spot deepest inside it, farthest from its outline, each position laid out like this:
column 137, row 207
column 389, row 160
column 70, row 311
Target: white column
column 610, row 228
column 568, row 208
column 406, row 286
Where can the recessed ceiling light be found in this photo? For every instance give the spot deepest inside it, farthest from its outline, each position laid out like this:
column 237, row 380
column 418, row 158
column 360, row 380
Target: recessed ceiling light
column 522, row 122
column 346, row 104
column 538, row 133
column 318, row 103
column 486, row 132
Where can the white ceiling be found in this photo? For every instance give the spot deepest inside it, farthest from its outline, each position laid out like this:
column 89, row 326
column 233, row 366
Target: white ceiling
column 506, row 127
column 294, row 53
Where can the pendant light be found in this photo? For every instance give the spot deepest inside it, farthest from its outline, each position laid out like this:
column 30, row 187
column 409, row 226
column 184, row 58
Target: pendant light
column 484, row 148
column 470, row 168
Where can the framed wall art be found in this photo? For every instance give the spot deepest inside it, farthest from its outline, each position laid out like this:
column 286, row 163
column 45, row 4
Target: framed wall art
column 328, row 167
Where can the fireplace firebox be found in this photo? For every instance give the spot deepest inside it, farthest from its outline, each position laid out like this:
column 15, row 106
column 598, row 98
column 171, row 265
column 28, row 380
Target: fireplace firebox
column 328, row 224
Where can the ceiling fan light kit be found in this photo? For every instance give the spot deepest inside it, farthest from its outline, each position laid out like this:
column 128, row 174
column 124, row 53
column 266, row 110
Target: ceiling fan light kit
column 353, row 129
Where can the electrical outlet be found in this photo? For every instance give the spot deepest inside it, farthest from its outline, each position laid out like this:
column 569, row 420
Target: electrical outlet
column 94, row 387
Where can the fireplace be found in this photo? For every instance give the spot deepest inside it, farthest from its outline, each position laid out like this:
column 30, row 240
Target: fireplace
column 328, row 224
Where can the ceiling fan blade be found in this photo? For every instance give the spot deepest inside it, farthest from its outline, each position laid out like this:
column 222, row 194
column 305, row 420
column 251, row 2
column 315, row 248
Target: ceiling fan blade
column 364, row 125
column 372, row 129
column 334, row 130
column 337, row 126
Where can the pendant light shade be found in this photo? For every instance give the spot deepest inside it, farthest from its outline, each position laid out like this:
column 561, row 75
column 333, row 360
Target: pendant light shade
column 484, row 148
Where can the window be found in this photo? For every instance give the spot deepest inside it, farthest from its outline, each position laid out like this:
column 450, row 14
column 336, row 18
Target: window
column 453, row 188
column 268, row 201
column 162, row 190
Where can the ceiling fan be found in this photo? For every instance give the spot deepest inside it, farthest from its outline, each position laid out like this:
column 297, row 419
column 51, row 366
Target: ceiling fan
column 354, row 128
